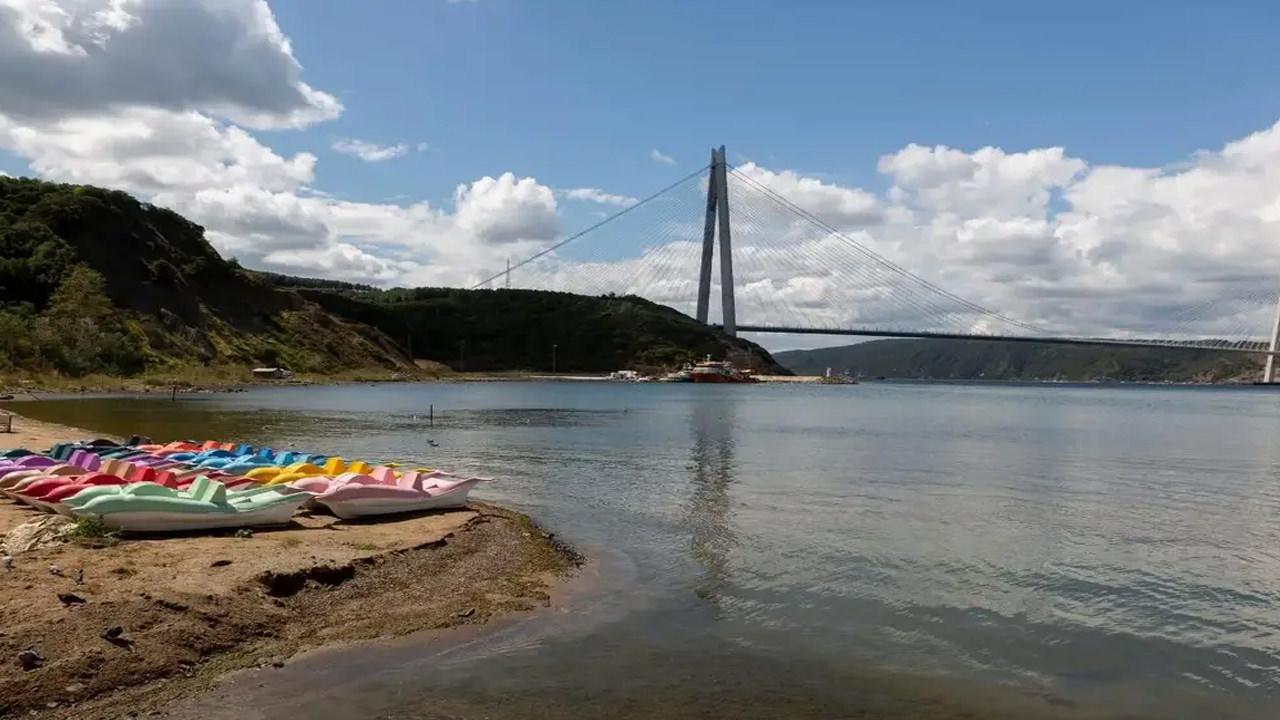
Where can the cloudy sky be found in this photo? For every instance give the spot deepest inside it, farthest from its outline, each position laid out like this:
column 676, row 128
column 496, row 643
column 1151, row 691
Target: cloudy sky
column 1087, row 169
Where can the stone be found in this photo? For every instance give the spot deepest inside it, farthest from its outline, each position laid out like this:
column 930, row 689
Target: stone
column 29, row 660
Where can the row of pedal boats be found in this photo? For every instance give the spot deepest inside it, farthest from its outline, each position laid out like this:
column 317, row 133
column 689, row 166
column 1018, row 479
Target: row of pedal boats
column 185, row 486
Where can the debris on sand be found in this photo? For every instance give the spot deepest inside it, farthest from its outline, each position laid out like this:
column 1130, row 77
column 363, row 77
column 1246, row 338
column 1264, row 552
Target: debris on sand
column 115, row 635
column 30, row 659
column 46, row 531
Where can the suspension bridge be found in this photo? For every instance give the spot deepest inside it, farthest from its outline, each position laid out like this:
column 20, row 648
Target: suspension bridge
column 788, row 266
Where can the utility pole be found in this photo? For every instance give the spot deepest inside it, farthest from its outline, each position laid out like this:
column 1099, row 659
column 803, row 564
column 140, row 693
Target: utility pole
column 554, row 347
column 508, row 273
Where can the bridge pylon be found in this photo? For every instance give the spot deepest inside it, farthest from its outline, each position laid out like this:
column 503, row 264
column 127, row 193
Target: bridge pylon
column 1269, row 372
column 717, row 216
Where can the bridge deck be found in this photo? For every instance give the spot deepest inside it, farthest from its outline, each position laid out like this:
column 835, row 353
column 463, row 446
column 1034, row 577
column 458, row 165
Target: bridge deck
column 1252, row 348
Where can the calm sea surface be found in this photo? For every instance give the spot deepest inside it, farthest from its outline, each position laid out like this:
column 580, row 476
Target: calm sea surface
column 879, row 550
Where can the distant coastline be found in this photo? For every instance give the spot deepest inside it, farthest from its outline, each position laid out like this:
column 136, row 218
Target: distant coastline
column 980, row 360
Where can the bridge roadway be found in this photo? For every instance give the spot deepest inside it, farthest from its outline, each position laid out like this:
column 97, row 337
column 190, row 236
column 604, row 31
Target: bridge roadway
column 1252, row 348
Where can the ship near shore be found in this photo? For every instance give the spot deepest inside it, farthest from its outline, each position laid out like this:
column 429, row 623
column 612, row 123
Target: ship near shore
column 712, row 371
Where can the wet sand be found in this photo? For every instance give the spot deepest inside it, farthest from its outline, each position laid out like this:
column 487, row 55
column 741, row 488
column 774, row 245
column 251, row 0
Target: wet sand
column 157, row 619
column 39, row 435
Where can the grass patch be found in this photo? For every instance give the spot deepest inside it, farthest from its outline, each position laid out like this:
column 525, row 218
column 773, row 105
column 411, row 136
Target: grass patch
column 93, row 533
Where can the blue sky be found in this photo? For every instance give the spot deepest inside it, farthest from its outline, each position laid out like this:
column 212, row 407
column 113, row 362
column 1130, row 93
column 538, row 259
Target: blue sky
column 579, row 93
column 1085, row 166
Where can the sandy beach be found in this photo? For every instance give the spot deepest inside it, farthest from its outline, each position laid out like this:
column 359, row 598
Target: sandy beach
column 37, row 435
column 153, row 619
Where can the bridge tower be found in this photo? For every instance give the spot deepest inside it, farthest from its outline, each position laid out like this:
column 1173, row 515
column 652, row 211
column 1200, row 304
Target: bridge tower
column 717, row 214
column 1269, row 374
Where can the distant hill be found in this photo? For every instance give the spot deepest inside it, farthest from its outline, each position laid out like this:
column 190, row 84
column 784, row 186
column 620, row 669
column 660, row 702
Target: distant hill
column 494, row 330
column 972, row 359
column 168, row 298
column 92, row 280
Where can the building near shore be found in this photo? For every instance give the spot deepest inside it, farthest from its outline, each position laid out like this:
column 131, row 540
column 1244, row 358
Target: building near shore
column 272, row 373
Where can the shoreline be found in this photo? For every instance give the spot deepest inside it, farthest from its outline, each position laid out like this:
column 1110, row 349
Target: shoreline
column 34, row 394
column 192, row 608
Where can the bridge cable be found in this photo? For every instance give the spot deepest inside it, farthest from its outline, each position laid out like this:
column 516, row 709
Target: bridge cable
column 879, row 258
column 579, row 234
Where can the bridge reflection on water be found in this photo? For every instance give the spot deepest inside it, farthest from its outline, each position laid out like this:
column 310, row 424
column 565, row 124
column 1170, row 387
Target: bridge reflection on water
column 709, row 515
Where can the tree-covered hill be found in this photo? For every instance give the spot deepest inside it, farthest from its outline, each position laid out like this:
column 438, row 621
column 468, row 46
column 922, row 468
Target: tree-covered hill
column 488, row 330
column 92, row 280
column 974, row 359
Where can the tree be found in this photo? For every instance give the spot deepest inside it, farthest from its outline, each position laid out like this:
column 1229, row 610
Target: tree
column 80, row 332
column 82, row 295
column 32, row 261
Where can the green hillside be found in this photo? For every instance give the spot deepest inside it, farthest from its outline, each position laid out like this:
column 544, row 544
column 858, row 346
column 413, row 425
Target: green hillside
column 94, row 281
column 494, row 330
column 971, row 359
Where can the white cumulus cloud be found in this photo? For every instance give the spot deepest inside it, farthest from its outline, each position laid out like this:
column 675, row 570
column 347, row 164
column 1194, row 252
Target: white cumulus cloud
column 369, row 152
column 832, row 203
column 661, row 158
column 598, row 196
column 159, row 98
column 506, row 209
column 224, row 57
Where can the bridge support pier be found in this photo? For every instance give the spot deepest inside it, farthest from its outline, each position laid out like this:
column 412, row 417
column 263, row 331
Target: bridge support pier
column 1269, row 372
column 717, row 215
column 708, row 244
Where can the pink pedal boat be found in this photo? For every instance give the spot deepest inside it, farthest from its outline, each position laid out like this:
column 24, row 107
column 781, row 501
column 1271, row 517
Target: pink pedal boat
column 382, row 492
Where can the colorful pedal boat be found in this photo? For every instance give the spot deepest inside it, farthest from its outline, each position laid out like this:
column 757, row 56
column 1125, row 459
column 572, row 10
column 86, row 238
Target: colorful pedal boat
column 47, row 491
column 206, row 505
column 276, row 475
column 22, row 464
column 355, row 495
column 333, row 467
column 14, row 482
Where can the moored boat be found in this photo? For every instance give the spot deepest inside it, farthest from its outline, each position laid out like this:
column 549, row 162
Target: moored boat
column 715, row 371
column 206, row 505
column 354, row 495
column 679, row 376
column 185, row 486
